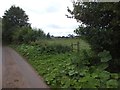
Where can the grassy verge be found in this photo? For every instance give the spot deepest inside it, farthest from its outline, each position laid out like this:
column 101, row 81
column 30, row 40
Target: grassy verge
column 61, row 70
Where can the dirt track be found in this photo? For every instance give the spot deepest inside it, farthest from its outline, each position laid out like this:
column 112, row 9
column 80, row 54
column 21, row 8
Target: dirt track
column 17, row 73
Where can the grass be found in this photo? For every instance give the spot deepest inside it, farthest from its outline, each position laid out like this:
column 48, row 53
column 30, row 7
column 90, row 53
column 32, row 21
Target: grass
column 66, row 41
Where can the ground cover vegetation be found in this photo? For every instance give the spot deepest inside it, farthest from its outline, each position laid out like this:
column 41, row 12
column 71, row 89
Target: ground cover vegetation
column 70, row 69
column 96, row 65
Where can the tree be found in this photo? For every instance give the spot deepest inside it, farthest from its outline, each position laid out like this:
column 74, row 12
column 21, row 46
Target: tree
column 102, row 21
column 13, row 18
column 70, row 35
column 39, row 34
column 48, row 36
column 27, row 35
column 22, row 35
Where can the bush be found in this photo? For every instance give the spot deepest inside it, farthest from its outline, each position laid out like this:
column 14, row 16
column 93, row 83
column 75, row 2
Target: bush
column 54, row 49
column 27, row 35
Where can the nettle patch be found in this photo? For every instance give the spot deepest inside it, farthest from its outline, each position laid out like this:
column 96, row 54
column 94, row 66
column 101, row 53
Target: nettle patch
column 70, row 70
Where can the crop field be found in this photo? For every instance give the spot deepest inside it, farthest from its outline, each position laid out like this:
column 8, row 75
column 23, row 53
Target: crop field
column 65, row 69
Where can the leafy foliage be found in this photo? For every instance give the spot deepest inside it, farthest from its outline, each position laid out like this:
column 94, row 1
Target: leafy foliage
column 14, row 17
column 112, row 83
column 27, row 35
column 100, row 26
column 105, row 56
column 60, row 70
column 54, row 49
column 48, row 36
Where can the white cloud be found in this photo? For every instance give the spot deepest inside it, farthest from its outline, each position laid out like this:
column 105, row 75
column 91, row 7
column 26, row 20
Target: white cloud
column 48, row 15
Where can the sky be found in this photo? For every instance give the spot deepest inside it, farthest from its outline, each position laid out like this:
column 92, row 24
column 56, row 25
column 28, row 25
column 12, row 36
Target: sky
column 48, row 15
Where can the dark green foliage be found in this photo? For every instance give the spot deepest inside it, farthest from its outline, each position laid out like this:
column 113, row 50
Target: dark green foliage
column 105, row 56
column 27, row 35
column 22, row 35
column 39, row 34
column 102, row 28
column 91, row 61
column 17, row 30
column 13, row 18
column 48, row 36
column 53, row 49
column 95, row 73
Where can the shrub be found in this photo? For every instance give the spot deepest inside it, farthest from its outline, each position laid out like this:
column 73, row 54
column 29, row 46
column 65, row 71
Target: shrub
column 54, row 49
column 27, row 35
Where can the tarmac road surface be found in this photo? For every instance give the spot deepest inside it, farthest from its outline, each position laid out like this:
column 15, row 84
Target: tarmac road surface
column 17, row 73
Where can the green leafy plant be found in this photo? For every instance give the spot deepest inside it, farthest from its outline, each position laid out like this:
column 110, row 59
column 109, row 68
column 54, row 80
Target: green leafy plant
column 112, row 83
column 54, row 49
column 70, row 70
column 105, row 56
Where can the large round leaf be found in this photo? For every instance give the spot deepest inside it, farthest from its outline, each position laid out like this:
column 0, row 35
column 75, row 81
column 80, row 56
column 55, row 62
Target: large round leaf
column 112, row 83
column 105, row 56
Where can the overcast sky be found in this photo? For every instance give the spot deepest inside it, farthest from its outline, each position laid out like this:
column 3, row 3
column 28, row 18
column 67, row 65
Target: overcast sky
column 49, row 15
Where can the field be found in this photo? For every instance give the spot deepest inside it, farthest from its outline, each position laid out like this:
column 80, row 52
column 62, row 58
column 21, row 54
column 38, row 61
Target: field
column 67, row 69
column 66, row 41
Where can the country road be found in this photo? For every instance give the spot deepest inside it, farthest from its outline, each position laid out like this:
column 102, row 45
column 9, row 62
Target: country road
column 0, row 63
column 17, row 73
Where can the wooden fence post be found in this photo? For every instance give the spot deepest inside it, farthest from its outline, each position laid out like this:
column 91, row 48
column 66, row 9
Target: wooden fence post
column 78, row 47
column 72, row 46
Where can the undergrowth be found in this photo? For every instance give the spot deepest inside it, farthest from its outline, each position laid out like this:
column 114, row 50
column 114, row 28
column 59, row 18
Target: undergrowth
column 68, row 69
